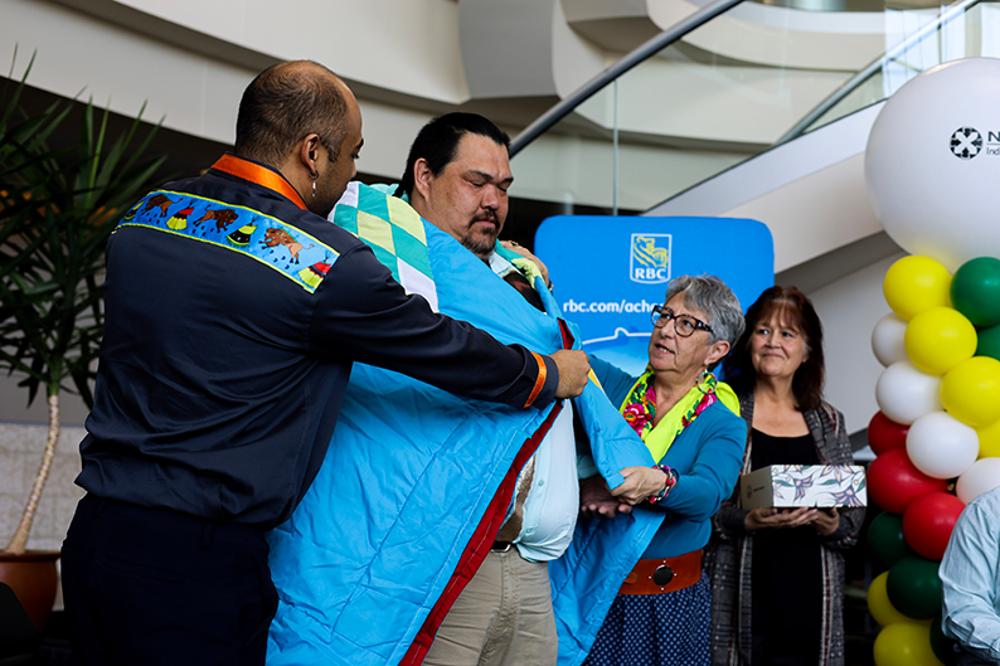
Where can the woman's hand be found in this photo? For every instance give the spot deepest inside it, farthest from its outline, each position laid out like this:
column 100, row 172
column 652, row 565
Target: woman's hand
column 640, row 484
column 771, row 518
column 595, row 498
column 826, row 521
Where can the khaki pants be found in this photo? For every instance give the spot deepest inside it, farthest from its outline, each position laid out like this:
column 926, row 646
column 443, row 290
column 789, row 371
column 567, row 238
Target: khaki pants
column 503, row 617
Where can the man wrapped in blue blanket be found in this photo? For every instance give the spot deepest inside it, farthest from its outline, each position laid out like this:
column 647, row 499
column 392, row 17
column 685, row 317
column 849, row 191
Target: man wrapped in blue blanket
column 433, row 516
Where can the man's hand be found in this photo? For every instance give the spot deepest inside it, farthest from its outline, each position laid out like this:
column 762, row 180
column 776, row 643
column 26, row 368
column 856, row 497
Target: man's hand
column 573, row 368
column 595, row 498
column 524, row 252
column 640, row 484
column 760, row 519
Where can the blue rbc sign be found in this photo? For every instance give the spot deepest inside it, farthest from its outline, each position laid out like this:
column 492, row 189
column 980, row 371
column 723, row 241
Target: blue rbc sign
column 609, row 272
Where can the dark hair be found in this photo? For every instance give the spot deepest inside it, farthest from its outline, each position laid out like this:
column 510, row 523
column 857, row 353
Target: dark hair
column 807, row 384
column 437, row 140
column 283, row 104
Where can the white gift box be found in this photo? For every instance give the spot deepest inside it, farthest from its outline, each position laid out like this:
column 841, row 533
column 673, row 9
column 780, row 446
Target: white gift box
column 791, row 486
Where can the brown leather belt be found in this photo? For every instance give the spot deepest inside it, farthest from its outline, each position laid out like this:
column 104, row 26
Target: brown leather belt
column 663, row 575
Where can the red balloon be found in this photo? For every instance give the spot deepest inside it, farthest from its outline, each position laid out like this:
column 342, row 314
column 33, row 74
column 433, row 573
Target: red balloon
column 928, row 522
column 893, row 481
column 885, row 435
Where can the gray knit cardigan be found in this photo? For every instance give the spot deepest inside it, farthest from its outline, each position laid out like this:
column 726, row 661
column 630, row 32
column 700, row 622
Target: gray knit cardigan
column 731, row 552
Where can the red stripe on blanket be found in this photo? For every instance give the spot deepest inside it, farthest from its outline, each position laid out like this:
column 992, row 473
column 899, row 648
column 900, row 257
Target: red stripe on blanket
column 479, row 545
column 567, row 336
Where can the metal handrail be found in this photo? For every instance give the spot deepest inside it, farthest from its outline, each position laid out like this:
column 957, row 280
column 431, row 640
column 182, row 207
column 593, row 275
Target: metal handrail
column 638, row 55
column 834, row 98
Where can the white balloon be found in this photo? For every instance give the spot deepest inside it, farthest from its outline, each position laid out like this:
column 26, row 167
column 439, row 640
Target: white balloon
column 982, row 477
column 887, row 340
column 941, row 446
column 904, row 394
column 933, row 162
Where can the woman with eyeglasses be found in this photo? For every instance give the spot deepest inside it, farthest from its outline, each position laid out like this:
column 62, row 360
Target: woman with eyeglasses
column 685, row 417
column 778, row 574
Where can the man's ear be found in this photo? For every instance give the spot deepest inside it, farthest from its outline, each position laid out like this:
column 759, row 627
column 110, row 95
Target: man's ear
column 309, row 152
column 422, row 177
column 716, row 352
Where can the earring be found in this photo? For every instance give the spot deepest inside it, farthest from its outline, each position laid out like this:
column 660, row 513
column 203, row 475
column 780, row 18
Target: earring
column 314, row 189
column 314, row 177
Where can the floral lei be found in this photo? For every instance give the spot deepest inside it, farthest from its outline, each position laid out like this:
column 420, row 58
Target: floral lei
column 640, row 406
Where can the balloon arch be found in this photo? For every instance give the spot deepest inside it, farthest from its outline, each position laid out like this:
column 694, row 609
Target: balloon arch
column 932, row 166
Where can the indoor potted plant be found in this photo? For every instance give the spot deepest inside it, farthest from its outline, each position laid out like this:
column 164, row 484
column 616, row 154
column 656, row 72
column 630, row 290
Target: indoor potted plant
column 57, row 209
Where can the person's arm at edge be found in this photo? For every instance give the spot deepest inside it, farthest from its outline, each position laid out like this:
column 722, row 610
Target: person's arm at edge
column 361, row 313
column 969, row 580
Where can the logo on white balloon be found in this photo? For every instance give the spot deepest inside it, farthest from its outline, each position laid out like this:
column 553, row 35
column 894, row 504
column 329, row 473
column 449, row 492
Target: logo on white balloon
column 966, row 142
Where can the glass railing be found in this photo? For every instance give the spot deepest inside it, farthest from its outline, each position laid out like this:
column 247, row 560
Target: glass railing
column 729, row 82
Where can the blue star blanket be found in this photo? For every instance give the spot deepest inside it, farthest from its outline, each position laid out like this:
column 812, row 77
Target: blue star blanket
column 417, row 481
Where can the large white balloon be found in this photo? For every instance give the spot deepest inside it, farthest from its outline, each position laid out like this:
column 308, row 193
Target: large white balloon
column 933, row 162
column 904, row 394
column 887, row 340
column 982, row 477
column 941, row 446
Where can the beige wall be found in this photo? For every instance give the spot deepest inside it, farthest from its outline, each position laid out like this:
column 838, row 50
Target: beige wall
column 407, row 46
column 849, row 309
column 20, row 454
column 124, row 58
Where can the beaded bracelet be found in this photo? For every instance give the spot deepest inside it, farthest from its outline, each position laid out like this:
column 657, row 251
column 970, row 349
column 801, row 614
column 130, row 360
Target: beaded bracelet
column 670, row 483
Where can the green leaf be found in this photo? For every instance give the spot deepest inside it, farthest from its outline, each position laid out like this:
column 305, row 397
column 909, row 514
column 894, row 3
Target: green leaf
column 58, row 207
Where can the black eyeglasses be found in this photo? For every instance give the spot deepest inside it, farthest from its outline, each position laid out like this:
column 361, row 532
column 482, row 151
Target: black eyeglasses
column 684, row 325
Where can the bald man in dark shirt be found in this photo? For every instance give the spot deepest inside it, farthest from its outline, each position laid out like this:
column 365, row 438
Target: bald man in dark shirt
column 234, row 314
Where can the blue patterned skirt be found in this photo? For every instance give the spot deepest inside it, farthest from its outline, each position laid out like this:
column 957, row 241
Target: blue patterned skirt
column 669, row 629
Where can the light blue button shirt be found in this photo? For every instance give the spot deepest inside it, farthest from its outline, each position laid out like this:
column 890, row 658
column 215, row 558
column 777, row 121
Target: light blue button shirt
column 553, row 501
column 970, row 574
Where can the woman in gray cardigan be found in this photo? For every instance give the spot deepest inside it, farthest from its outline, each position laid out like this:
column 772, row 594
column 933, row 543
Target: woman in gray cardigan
column 777, row 575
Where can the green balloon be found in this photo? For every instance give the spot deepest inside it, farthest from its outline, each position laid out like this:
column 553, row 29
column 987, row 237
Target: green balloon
column 975, row 290
column 914, row 587
column 885, row 538
column 989, row 342
column 945, row 649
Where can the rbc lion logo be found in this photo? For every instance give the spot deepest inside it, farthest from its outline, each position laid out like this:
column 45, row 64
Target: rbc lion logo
column 649, row 260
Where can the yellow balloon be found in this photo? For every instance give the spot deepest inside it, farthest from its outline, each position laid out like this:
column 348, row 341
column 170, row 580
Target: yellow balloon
column 905, row 644
column 879, row 605
column 938, row 339
column 914, row 284
column 971, row 391
column 989, row 440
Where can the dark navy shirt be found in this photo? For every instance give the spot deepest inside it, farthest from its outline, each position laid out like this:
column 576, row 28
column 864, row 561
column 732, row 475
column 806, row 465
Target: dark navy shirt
column 226, row 353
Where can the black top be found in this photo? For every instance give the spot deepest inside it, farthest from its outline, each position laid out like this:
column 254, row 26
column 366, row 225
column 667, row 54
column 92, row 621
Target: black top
column 787, row 571
column 221, row 377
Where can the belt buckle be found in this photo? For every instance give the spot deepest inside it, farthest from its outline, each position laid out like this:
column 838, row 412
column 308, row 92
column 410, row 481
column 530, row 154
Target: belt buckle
column 501, row 546
column 663, row 575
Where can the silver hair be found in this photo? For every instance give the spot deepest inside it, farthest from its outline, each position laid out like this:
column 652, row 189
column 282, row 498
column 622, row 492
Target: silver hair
column 713, row 297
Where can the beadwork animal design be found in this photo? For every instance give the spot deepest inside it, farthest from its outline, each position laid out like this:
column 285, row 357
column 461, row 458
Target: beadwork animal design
column 161, row 201
column 274, row 237
column 223, row 217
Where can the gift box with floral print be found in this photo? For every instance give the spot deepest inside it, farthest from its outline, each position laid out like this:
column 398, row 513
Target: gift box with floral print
column 790, row 486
